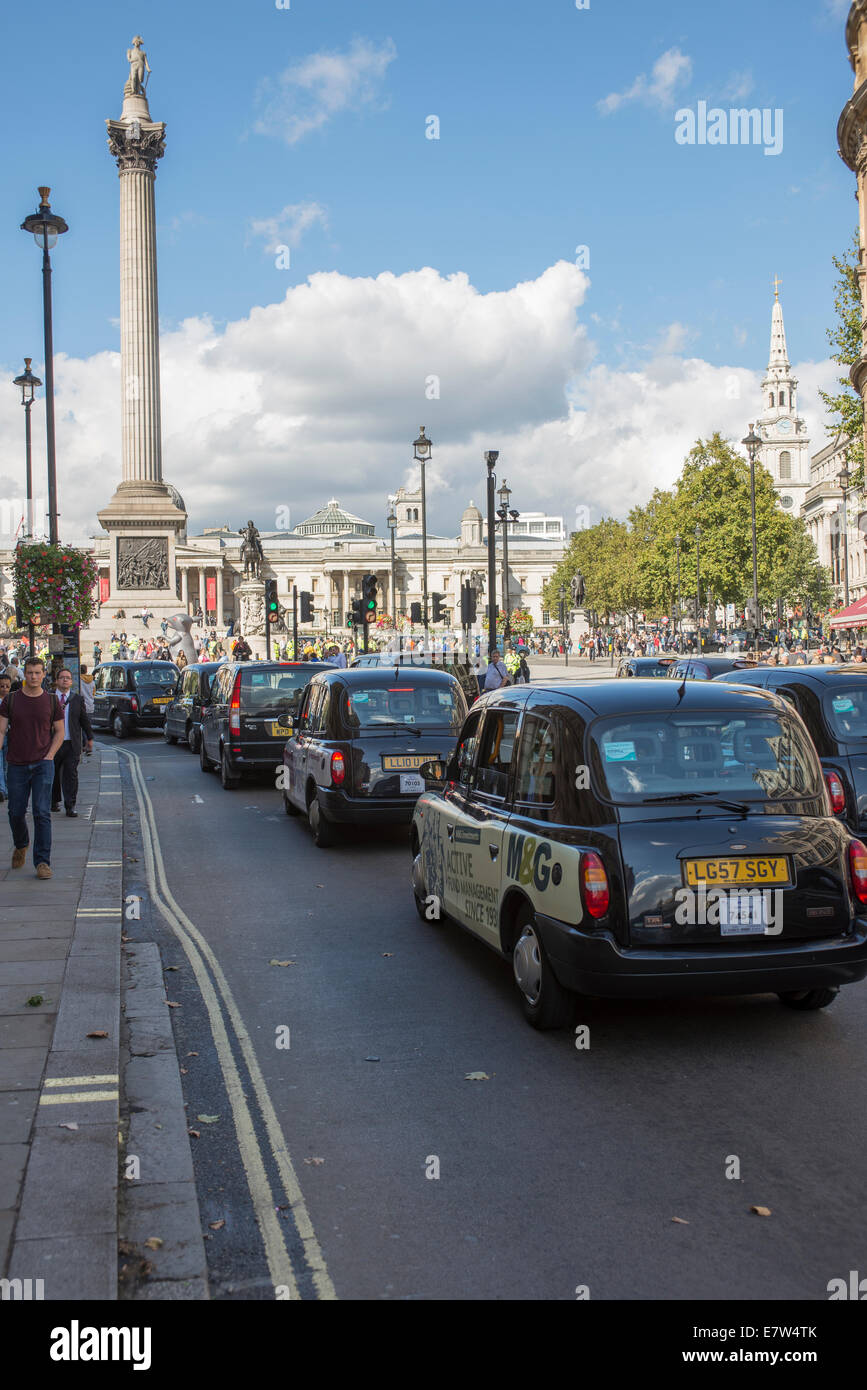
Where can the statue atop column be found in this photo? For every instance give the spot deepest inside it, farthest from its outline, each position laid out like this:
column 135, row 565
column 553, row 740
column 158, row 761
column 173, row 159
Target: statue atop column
column 136, row 83
column 578, row 589
column 252, row 554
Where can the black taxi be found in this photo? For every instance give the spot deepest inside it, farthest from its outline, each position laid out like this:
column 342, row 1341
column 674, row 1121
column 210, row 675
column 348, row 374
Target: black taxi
column 366, row 743
column 644, row 839
column 132, row 695
column 832, row 701
column 249, row 715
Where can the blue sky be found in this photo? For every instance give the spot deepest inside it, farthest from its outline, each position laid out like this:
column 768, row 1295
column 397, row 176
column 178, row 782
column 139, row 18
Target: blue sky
column 321, row 109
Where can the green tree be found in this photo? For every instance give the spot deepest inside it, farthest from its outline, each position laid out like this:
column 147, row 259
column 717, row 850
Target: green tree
column 845, row 407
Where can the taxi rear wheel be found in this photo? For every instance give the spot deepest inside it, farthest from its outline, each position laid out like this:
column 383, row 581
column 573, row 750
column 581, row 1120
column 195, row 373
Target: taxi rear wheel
column 321, row 828
column 287, row 805
column 545, row 1003
column 229, row 780
column 169, row 738
column 807, row 999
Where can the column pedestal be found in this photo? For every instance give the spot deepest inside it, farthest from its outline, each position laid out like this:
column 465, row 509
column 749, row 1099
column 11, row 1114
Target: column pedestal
column 251, row 602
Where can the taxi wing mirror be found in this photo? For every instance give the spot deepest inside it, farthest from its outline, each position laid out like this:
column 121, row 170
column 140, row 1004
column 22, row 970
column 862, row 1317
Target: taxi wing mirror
column 434, row 771
column 453, row 768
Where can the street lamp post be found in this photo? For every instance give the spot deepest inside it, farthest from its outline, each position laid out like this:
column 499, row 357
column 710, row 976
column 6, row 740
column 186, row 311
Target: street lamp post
column 563, row 621
column 46, row 226
column 422, row 447
column 844, row 477
column 491, row 456
column 679, row 624
column 752, row 443
column 28, row 384
column 698, row 588
column 507, row 519
column 392, row 526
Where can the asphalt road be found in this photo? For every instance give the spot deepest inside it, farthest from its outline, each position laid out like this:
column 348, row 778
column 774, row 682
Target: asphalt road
column 564, row 1168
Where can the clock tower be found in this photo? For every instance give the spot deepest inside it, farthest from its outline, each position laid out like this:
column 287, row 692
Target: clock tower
column 785, row 450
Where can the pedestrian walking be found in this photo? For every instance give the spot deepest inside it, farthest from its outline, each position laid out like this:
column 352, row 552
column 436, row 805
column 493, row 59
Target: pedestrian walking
column 85, row 687
column 5, row 688
column 35, row 727
column 76, row 723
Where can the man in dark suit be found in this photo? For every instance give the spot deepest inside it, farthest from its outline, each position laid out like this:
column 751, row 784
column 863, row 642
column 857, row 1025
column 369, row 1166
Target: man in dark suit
column 66, row 759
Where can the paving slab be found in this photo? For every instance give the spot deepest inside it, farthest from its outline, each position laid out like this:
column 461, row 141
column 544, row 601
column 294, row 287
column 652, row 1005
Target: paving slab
column 49, row 972
column 73, row 1270
column 13, row 1161
column 17, row 1111
column 56, row 1202
column 26, row 1030
column 21, row 1068
column 23, row 948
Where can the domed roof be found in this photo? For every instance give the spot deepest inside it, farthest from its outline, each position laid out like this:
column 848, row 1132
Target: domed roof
column 334, row 520
column 471, row 513
column 176, row 497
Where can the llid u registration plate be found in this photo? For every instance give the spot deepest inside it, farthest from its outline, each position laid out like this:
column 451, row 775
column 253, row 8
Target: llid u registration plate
column 750, row 872
column 406, row 762
column 281, row 731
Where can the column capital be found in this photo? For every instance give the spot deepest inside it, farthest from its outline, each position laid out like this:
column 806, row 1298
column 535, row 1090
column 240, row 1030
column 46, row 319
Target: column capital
column 136, row 145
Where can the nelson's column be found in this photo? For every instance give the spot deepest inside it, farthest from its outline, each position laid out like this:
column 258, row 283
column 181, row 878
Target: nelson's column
column 145, row 516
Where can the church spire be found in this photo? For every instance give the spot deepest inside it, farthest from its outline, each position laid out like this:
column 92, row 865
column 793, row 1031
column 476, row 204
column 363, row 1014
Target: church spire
column 779, row 353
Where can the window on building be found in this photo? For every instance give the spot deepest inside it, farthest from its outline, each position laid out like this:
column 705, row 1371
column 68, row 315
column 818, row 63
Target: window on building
column 785, row 464
column 536, row 528
column 771, row 399
column 552, row 525
column 782, row 398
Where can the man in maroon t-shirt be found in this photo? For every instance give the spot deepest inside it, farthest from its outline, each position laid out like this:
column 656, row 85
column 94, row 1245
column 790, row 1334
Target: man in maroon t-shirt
column 35, row 723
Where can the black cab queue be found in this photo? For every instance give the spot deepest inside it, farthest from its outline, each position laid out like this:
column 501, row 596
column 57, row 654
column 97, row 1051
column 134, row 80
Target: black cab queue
column 644, row 839
column 132, row 695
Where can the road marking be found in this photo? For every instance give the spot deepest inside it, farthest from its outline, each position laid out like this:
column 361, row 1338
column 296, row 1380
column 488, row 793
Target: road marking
column 108, row 822
column 77, row 1097
column 104, row 863
column 196, row 947
column 199, row 801
column 81, row 1080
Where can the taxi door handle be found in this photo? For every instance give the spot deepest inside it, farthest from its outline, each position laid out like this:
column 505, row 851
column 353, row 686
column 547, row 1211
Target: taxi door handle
column 451, row 832
column 493, row 850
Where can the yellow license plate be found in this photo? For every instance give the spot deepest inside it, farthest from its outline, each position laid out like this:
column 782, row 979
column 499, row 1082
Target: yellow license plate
column 161, row 700
column 281, row 731
column 395, row 762
column 753, row 872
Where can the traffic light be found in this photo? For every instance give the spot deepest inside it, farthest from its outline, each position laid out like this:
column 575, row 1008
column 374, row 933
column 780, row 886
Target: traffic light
column 415, row 612
column 439, row 614
column 306, row 606
column 272, row 607
column 468, row 605
column 356, row 617
column 368, row 597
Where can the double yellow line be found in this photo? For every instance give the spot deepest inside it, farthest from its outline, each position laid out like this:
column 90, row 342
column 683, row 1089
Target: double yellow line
column 213, row 991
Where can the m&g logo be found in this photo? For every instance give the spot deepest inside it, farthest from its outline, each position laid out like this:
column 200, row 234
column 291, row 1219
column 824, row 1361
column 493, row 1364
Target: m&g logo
column 527, row 860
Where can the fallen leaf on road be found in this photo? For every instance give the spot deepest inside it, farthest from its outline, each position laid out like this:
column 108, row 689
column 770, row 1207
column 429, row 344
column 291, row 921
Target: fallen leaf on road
column 125, row 1247
column 216, row 1225
column 386, row 954
column 208, row 1119
column 153, row 1243
column 145, row 1268
column 195, row 1133
column 184, row 1071
column 172, row 967
column 680, row 1221
column 477, row 1076
column 126, row 938
column 171, row 1005
column 761, row 1211
column 320, row 885
column 100, row 1033
column 317, row 1162
column 192, row 1054
column 281, row 962
column 70, row 1125
column 34, row 1001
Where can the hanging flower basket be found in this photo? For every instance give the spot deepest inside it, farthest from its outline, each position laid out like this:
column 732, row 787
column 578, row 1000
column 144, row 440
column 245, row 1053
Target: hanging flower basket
column 55, row 583
column 520, row 621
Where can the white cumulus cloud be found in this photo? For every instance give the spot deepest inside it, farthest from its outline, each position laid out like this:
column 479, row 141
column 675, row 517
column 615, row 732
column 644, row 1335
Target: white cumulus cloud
column 310, row 93
column 671, row 70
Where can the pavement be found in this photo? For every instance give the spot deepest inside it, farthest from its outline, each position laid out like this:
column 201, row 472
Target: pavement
column 81, row 1027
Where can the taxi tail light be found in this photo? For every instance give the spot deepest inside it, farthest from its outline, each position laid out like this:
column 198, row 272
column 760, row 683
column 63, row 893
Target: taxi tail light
column 594, row 885
column 858, row 869
column 338, row 769
column 133, row 704
column 235, row 710
column 836, row 792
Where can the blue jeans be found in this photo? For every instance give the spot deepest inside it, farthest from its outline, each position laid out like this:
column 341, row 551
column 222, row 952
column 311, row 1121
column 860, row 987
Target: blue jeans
column 38, row 778
column 3, row 770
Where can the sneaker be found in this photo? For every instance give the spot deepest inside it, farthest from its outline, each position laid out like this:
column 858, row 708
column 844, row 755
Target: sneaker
column 43, row 871
column 18, row 857
column 70, row 812
column 55, row 805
